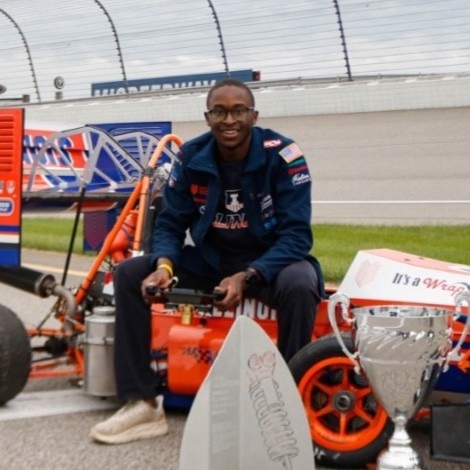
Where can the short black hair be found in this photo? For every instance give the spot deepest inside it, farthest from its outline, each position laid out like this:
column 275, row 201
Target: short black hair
column 230, row 82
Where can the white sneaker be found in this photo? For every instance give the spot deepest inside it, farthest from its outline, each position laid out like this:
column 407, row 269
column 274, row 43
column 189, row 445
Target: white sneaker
column 134, row 421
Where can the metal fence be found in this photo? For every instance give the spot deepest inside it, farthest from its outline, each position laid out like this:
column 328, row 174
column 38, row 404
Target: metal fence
column 60, row 48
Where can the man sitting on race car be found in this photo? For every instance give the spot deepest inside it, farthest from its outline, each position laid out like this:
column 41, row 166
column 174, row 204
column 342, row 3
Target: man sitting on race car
column 244, row 193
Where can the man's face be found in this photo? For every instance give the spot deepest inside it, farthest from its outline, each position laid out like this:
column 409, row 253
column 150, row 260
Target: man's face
column 231, row 130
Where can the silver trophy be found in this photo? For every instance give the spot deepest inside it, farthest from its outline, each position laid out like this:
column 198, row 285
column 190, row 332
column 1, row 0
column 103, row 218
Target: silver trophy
column 402, row 349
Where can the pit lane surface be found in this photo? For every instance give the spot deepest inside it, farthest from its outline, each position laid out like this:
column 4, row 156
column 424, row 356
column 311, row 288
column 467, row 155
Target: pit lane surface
column 46, row 427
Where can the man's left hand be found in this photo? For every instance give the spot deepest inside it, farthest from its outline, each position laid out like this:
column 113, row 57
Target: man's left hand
column 233, row 286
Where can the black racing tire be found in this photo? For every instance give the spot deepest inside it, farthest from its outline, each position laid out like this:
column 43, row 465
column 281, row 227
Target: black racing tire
column 336, row 400
column 15, row 355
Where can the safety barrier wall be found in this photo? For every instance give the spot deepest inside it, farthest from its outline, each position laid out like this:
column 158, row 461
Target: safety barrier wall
column 273, row 101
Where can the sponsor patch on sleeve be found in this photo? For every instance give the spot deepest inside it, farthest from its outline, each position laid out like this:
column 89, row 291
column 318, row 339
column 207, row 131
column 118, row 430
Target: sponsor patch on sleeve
column 291, row 152
column 269, row 144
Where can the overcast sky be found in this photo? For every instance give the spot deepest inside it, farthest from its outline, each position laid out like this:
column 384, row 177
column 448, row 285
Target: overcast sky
column 299, row 38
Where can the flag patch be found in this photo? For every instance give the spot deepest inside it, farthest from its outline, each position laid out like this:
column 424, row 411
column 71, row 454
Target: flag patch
column 291, row 152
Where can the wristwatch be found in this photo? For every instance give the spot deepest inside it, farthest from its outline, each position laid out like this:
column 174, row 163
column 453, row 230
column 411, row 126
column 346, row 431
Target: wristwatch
column 252, row 278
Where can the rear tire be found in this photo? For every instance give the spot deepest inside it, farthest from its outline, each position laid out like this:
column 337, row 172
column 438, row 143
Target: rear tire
column 15, row 355
column 347, row 424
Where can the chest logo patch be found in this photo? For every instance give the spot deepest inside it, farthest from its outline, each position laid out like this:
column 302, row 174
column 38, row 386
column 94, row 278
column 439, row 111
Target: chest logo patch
column 232, row 201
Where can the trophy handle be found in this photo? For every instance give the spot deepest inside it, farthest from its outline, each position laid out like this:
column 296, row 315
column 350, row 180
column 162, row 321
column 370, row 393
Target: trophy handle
column 333, row 301
column 459, row 300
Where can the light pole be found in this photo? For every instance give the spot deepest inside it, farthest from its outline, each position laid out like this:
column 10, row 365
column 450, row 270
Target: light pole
column 343, row 39
column 116, row 38
column 27, row 51
column 221, row 39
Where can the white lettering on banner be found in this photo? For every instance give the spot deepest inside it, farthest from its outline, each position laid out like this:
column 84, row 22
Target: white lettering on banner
column 252, row 308
column 58, row 153
column 270, row 410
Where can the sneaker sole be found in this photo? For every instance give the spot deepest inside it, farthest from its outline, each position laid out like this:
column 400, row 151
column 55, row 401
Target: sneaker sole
column 139, row 432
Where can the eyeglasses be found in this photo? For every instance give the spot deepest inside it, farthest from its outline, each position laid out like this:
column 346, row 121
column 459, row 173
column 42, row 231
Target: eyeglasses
column 220, row 114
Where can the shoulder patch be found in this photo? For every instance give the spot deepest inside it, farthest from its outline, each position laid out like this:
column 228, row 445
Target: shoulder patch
column 291, row 152
column 269, row 144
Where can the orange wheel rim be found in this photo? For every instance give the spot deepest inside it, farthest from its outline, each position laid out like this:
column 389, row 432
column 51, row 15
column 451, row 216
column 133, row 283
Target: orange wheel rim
column 342, row 411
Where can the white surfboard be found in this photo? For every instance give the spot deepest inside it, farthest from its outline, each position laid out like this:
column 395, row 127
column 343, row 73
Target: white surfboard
column 248, row 413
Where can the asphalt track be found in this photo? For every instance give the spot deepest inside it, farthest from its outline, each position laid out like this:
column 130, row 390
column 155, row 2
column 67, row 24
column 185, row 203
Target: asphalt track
column 395, row 167
column 46, row 426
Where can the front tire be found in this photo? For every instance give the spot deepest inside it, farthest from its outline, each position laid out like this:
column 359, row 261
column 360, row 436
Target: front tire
column 15, row 355
column 347, row 424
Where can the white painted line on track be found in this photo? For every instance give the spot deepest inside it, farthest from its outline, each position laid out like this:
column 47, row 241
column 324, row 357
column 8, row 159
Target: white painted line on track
column 51, row 403
column 50, row 269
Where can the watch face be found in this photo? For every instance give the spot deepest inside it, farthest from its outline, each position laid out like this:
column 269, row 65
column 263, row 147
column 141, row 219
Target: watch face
column 251, row 279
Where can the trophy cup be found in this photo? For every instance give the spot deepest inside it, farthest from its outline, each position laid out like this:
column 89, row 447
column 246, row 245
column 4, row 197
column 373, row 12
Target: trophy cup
column 402, row 349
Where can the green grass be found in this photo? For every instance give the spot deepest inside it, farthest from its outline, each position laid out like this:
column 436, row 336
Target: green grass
column 335, row 245
column 51, row 234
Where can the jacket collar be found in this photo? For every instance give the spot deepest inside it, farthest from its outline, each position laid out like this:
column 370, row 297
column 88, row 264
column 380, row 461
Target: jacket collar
column 204, row 160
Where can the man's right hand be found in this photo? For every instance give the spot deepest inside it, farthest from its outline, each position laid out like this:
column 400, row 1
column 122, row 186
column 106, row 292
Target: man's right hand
column 159, row 279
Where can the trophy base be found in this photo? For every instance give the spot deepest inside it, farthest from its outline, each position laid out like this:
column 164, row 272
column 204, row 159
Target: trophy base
column 402, row 458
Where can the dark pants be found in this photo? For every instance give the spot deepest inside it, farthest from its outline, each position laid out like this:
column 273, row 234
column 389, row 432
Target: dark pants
column 294, row 294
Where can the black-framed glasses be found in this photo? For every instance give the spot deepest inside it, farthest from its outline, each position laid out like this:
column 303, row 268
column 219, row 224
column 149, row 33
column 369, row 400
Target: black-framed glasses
column 220, row 114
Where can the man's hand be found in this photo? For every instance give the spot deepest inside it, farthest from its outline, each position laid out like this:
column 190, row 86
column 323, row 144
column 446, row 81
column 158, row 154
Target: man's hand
column 159, row 279
column 233, row 287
